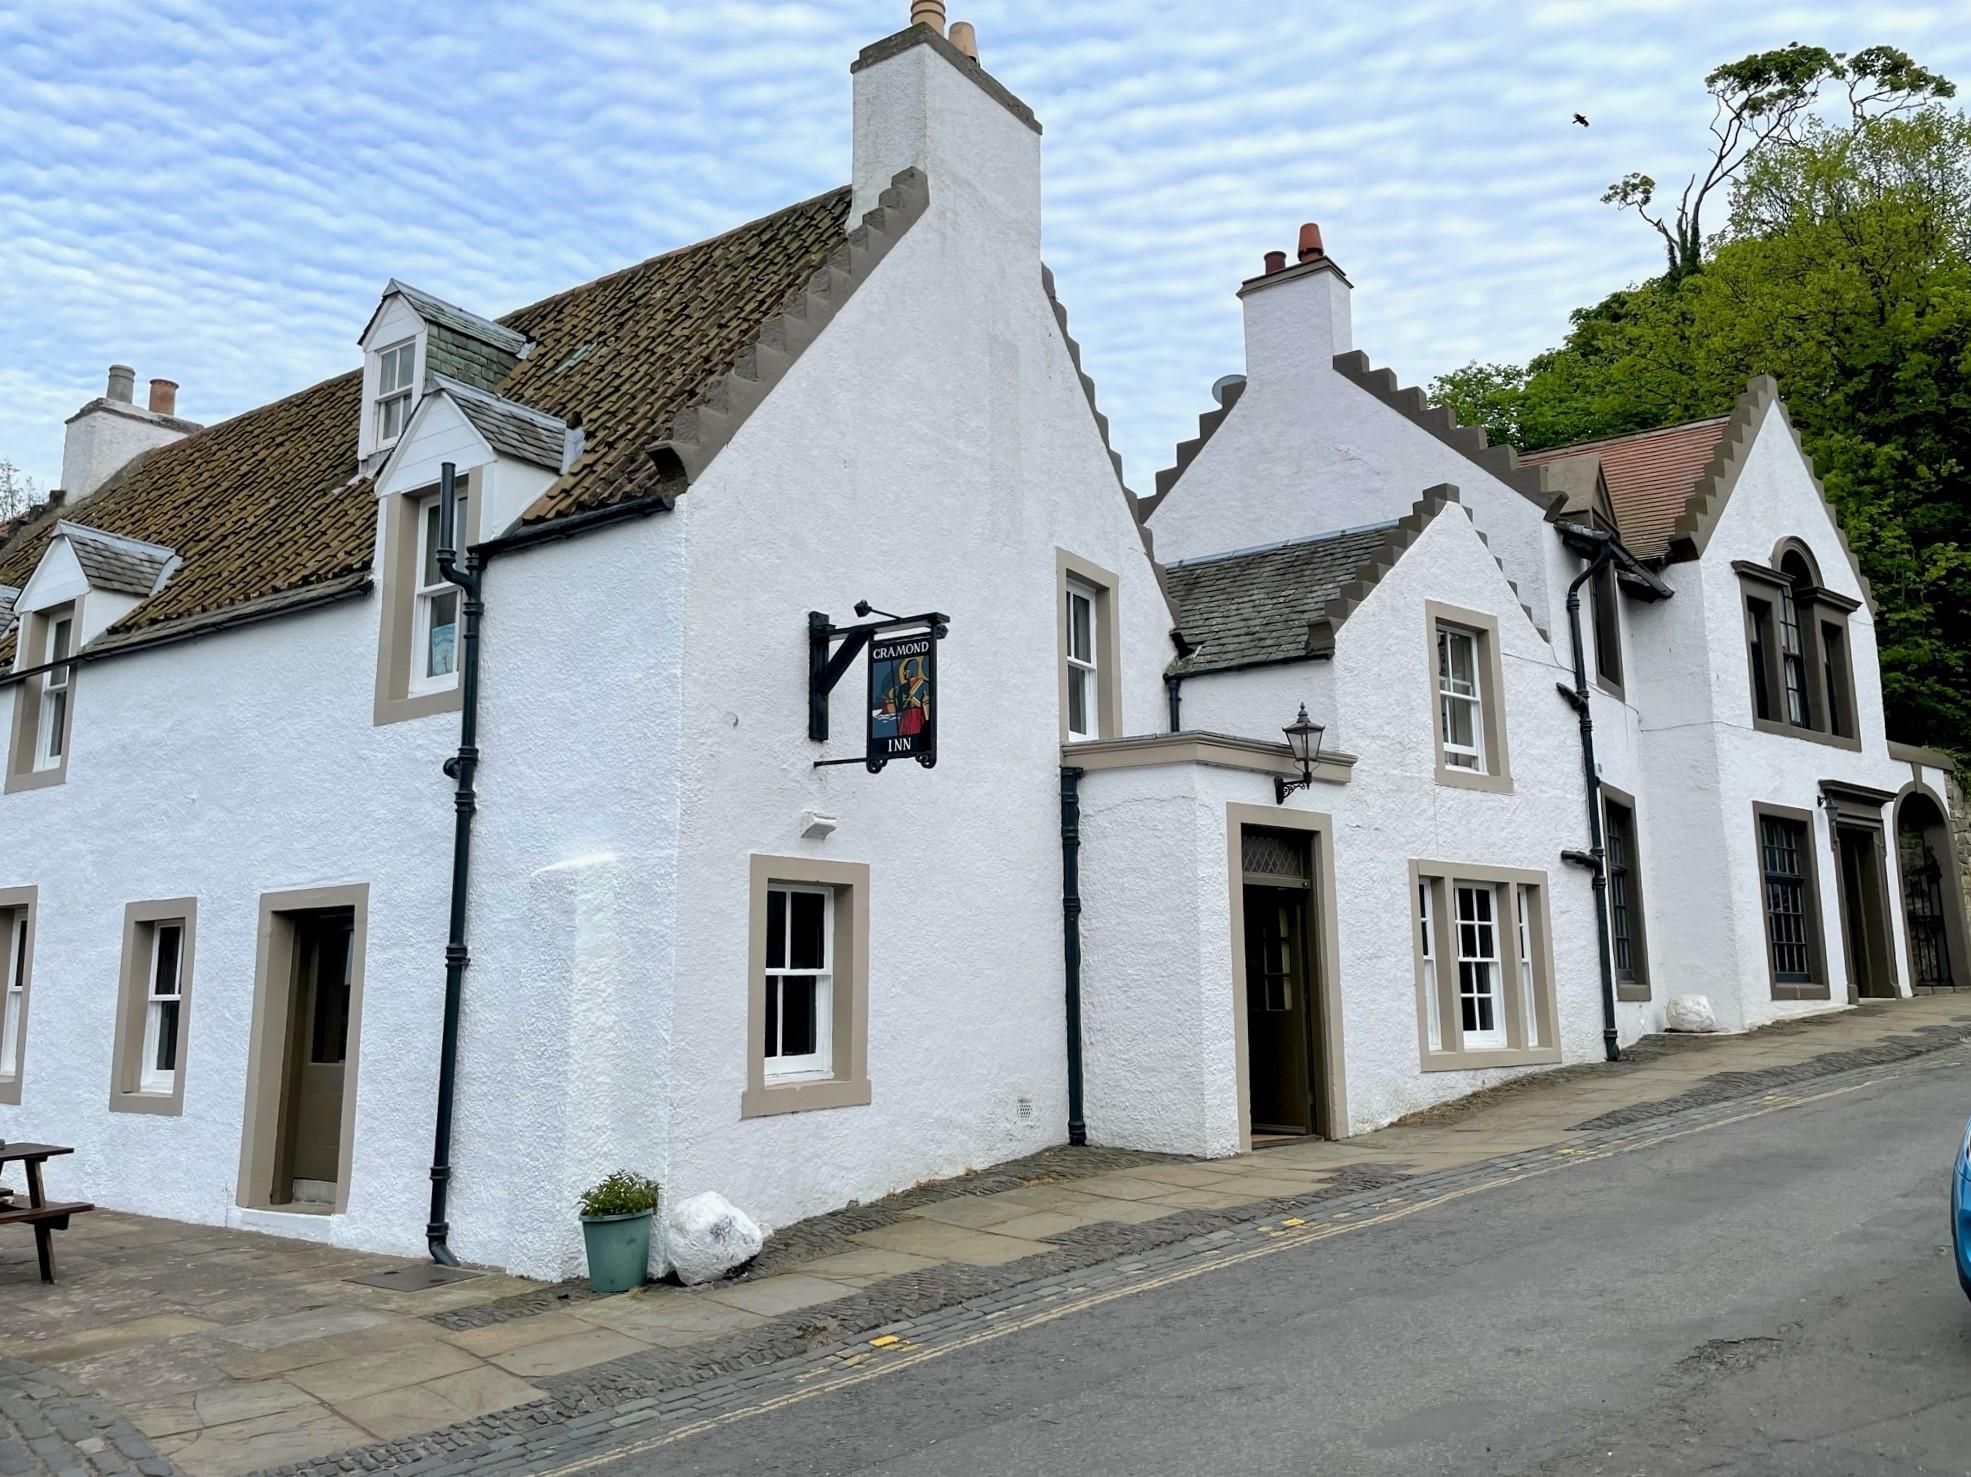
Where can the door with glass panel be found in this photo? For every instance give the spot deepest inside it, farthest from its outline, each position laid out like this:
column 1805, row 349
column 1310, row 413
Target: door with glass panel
column 1282, row 1015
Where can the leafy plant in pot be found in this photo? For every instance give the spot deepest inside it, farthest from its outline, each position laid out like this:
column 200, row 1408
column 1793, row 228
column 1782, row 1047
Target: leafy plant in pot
column 616, row 1215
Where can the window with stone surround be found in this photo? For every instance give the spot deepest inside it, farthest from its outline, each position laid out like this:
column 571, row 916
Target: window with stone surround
column 1484, row 966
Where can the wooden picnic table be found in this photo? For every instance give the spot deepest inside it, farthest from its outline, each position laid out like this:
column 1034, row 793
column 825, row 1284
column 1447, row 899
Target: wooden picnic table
column 46, row 1218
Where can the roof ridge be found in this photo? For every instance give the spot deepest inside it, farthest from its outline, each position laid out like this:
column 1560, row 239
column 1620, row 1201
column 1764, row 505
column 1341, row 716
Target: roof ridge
column 1300, row 541
column 469, row 391
column 66, row 527
column 622, row 271
column 1573, row 448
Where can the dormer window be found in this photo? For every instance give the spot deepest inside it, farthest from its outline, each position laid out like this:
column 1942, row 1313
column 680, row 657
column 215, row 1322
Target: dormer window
column 396, row 378
column 51, row 737
column 435, row 622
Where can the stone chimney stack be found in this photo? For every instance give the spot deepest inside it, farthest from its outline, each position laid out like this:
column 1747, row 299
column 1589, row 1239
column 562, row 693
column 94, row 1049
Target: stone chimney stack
column 922, row 101
column 1297, row 314
column 105, row 434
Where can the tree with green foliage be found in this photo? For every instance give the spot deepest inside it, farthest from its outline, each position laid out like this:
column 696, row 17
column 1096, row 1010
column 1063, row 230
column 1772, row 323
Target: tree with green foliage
column 1760, row 103
column 1844, row 271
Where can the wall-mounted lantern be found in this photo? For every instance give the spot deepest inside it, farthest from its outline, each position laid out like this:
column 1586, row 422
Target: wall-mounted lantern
column 1304, row 739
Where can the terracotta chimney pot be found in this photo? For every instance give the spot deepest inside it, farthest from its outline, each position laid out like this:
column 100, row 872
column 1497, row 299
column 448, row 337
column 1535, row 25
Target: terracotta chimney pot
column 1310, row 242
column 1276, row 261
column 928, row 13
column 164, row 397
column 965, row 38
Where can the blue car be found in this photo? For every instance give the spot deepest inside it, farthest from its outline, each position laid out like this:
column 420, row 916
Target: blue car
column 1960, row 1212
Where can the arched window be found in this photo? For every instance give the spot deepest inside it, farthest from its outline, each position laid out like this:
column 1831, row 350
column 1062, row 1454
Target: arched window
column 1796, row 638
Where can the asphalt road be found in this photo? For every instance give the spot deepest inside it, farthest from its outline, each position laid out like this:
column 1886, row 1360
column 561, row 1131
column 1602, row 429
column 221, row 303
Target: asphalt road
column 1769, row 1296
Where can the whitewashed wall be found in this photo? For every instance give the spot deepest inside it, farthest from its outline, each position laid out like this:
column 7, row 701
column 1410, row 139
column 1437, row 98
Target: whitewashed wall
column 1156, row 894
column 930, row 451
column 1306, row 450
column 222, row 769
column 1725, row 946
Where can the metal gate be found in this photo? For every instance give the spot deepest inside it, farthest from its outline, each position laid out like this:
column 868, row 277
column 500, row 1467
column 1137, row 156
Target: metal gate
column 1923, row 909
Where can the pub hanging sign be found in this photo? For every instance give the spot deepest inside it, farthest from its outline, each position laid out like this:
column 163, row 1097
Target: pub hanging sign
column 901, row 711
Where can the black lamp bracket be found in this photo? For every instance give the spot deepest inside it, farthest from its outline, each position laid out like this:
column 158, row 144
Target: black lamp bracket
column 826, row 668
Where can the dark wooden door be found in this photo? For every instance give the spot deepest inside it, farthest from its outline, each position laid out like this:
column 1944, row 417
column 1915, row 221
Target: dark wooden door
column 1279, row 1000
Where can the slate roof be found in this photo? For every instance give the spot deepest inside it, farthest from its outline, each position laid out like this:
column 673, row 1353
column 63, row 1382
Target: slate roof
column 1651, row 477
column 450, row 315
column 108, row 562
column 510, row 428
column 1256, row 606
column 269, row 503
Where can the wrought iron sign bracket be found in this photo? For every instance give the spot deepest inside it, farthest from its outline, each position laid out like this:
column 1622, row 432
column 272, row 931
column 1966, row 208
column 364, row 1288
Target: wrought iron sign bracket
column 826, row 668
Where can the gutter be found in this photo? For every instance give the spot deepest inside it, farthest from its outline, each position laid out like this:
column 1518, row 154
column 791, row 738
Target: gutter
column 463, row 768
column 333, row 593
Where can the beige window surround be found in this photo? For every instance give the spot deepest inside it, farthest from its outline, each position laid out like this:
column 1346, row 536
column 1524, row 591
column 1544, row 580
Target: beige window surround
column 1530, row 1039
column 1495, row 771
column 397, row 584
column 18, row 909
column 32, row 650
column 1828, row 667
column 1607, row 611
column 267, row 1043
column 1070, row 570
column 1631, row 984
column 1806, row 877
column 133, row 1040
column 847, row 1082
column 1329, row 1064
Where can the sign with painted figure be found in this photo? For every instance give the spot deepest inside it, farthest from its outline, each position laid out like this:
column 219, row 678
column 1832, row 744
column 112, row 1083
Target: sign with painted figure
column 903, row 720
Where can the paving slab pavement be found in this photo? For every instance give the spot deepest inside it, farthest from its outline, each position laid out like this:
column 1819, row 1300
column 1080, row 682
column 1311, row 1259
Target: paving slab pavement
column 230, row 1351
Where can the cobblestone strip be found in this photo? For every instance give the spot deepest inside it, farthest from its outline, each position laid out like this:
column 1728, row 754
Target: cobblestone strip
column 51, row 1427
column 603, row 1407
column 1726, row 1086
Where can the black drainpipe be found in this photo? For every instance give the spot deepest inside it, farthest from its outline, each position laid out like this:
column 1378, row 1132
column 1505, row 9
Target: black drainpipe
column 1071, row 934
column 464, row 766
column 465, row 802
column 1593, row 860
column 1174, row 686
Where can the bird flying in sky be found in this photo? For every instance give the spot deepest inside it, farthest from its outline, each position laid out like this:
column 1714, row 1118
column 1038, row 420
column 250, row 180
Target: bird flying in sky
column 1581, row 119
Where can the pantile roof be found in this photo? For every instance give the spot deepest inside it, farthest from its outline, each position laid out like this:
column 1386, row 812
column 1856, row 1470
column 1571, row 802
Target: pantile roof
column 1651, row 476
column 269, row 504
column 1256, row 606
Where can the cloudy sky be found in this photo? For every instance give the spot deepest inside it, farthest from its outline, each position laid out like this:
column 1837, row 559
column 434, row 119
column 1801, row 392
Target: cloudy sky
column 216, row 190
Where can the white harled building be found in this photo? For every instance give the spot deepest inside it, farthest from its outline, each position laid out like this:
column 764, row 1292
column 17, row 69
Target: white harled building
column 252, row 977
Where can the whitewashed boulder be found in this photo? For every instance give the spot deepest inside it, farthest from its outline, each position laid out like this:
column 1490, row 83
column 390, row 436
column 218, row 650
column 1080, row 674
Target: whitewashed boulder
column 707, row 1237
column 1689, row 1013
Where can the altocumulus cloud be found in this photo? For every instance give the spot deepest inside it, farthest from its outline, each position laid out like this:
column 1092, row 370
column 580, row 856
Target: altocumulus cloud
column 216, row 192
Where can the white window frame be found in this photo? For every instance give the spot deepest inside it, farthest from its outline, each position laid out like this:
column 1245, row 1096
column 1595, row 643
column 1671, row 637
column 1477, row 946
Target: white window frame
column 1427, row 920
column 1529, row 999
column 13, row 994
column 51, row 736
column 399, row 395
column 424, row 597
column 150, row 1077
column 1490, row 964
column 1470, row 691
column 1084, row 667
column 820, row 1062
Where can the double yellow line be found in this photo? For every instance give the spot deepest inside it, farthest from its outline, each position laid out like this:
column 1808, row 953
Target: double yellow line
column 893, row 1356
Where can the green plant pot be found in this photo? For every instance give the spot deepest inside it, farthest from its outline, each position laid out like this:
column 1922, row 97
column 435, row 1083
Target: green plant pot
column 619, row 1250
